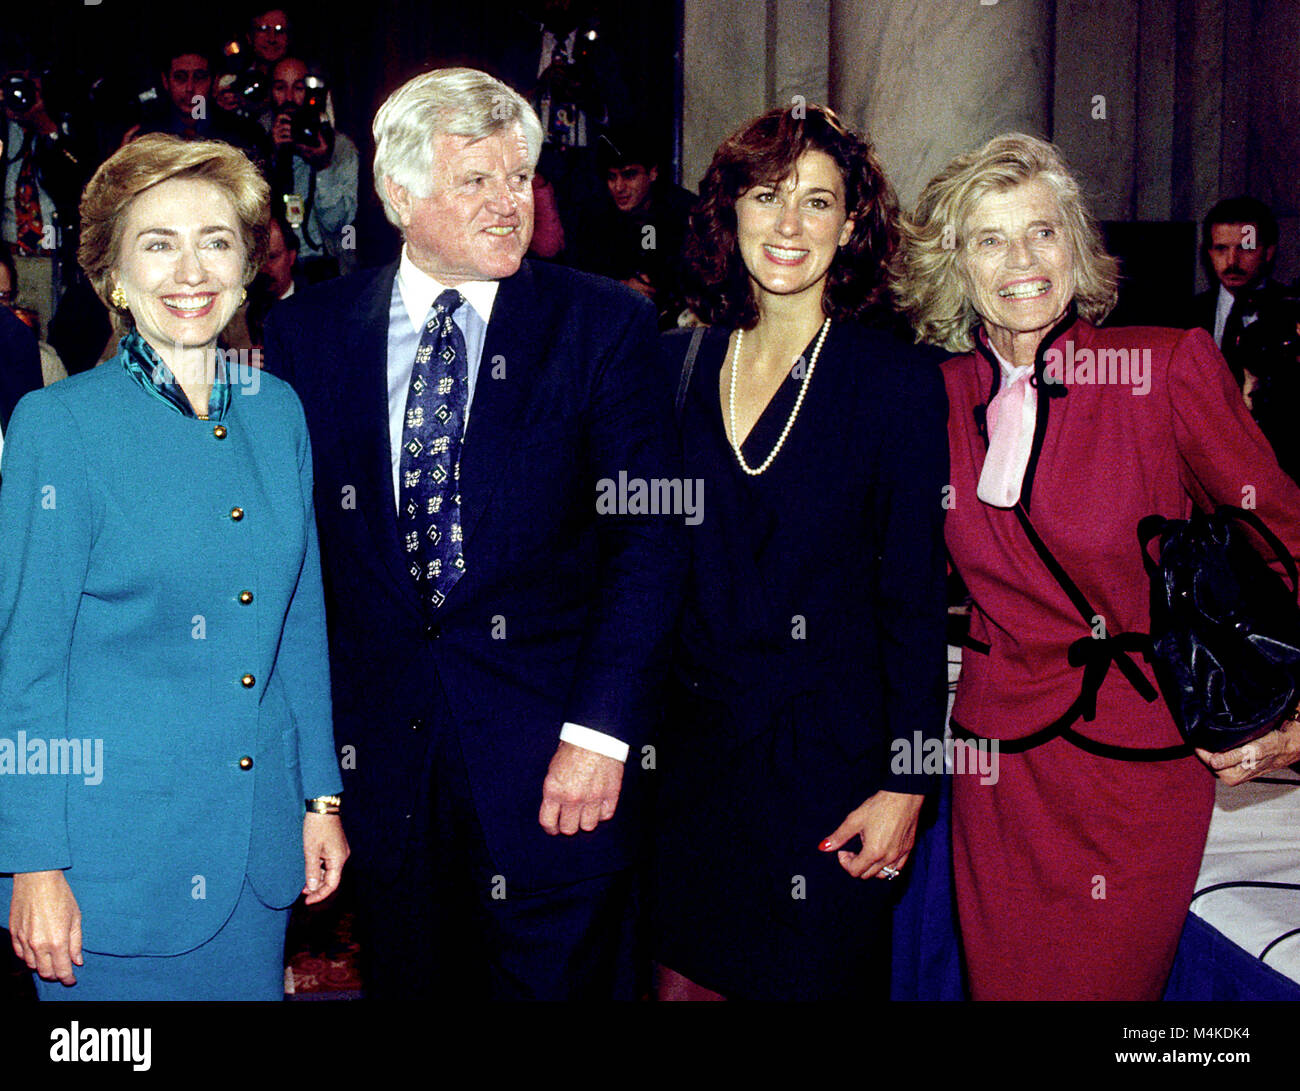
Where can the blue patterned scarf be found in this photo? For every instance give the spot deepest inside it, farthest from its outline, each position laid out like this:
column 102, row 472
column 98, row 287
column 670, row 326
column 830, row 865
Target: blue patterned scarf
column 145, row 366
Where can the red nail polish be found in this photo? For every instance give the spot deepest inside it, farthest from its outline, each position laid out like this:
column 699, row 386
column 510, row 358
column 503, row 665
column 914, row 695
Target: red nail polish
column 825, row 846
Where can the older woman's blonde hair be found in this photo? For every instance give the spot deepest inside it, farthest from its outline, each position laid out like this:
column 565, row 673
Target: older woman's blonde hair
column 145, row 163
column 930, row 281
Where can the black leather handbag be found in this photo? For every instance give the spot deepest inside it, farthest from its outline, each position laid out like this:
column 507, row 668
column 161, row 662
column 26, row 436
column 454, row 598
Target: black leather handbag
column 1225, row 628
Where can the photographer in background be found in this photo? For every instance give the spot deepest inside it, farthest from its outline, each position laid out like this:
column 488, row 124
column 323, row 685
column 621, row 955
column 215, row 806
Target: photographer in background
column 188, row 108
column 268, row 38
column 42, row 169
column 559, row 57
column 265, row 42
column 314, row 171
column 241, row 91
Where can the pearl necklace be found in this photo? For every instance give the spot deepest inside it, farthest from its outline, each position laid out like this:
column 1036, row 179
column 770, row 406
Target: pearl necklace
column 794, row 413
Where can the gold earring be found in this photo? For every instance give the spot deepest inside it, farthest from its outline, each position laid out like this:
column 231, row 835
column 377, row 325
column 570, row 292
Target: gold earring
column 243, row 294
column 117, row 297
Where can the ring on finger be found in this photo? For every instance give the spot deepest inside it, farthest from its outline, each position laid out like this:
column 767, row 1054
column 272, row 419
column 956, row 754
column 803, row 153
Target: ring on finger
column 890, row 872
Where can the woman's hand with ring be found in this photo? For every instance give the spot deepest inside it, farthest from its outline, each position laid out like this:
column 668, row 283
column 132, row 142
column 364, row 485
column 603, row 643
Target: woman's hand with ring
column 887, row 825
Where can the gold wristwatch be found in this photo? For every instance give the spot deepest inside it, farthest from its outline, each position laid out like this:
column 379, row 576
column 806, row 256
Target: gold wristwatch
column 324, row 805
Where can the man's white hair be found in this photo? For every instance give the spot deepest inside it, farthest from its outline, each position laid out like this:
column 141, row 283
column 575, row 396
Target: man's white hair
column 453, row 101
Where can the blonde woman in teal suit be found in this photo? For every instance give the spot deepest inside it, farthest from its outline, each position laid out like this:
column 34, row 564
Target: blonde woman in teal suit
column 162, row 629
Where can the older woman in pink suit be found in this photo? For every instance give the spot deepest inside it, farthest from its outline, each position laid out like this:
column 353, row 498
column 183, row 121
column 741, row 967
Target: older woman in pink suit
column 1074, row 869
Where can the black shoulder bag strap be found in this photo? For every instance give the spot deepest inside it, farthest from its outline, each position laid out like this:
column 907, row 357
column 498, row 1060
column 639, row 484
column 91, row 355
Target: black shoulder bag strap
column 1095, row 654
column 1280, row 551
column 688, row 366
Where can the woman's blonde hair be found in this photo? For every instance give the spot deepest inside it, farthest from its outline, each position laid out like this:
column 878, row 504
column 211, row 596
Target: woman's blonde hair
column 930, row 283
column 144, row 163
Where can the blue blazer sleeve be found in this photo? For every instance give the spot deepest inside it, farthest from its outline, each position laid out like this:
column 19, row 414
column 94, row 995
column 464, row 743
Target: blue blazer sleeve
column 303, row 661
column 46, row 531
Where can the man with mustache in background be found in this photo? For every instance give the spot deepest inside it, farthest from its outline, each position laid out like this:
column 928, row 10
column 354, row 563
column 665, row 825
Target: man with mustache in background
column 1238, row 243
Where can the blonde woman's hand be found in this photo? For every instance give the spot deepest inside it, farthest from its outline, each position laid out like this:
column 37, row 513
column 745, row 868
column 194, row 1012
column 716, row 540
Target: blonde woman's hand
column 1276, row 750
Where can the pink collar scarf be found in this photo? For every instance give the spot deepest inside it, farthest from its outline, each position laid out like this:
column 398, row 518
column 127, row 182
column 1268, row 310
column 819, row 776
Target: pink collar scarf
column 1010, row 422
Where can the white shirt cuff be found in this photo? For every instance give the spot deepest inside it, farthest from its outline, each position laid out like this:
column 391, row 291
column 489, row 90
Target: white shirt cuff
column 594, row 740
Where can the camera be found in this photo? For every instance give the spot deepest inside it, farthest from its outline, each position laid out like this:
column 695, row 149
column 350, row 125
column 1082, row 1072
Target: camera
column 118, row 102
column 19, row 92
column 250, row 88
column 309, row 122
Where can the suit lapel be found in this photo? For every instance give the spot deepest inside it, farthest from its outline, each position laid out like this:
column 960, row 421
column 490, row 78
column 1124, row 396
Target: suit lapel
column 368, row 346
column 506, row 377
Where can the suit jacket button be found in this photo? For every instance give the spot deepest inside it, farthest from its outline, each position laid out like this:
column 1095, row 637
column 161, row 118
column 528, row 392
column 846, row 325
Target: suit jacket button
column 245, row 597
column 245, row 762
column 236, row 514
column 248, row 681
column 431, row 631
column 417, row 724
column 219, row 431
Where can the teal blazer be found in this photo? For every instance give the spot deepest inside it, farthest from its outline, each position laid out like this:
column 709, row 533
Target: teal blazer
column 160, row 604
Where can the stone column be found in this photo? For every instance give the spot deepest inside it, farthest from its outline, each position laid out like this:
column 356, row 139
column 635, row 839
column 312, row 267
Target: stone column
column 724, row 78
column 741, row 57
column 930, row 78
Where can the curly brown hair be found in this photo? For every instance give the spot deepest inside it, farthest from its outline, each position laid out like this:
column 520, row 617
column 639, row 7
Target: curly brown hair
column 763, row 152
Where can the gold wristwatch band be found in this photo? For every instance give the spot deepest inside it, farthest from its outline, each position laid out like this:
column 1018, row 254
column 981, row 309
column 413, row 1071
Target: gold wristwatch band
column 324, row 805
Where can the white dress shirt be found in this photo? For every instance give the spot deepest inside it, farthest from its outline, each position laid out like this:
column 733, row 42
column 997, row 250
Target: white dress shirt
column 1222, row 306
column 416, row 290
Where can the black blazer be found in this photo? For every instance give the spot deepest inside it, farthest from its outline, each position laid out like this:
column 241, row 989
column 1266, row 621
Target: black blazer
column 20, row 363
column 1202, row 310
column 1267, row 296
column 810, row 664
column 562, row 614
column 824, row 578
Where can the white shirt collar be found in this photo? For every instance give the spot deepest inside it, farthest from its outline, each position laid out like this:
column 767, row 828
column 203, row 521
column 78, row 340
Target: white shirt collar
column 1225, row 301
column 418, row 291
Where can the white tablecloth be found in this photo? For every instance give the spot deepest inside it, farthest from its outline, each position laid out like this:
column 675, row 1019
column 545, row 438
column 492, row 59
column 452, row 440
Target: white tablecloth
column 1255, row 836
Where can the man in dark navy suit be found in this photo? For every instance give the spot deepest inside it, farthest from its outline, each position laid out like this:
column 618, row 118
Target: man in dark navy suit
column 1239, row 244
column 496, row 643
column 20, row 363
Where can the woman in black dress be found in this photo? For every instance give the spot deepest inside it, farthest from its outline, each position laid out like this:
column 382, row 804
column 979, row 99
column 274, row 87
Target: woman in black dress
column 810, row 669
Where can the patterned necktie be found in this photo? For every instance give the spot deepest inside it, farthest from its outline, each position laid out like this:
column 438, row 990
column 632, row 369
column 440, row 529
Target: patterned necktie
column 29, row 224
column 428, row 514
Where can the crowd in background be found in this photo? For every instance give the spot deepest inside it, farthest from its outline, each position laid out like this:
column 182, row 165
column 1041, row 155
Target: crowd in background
column 605, row 177
column 606, row 198
column 772, row 738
